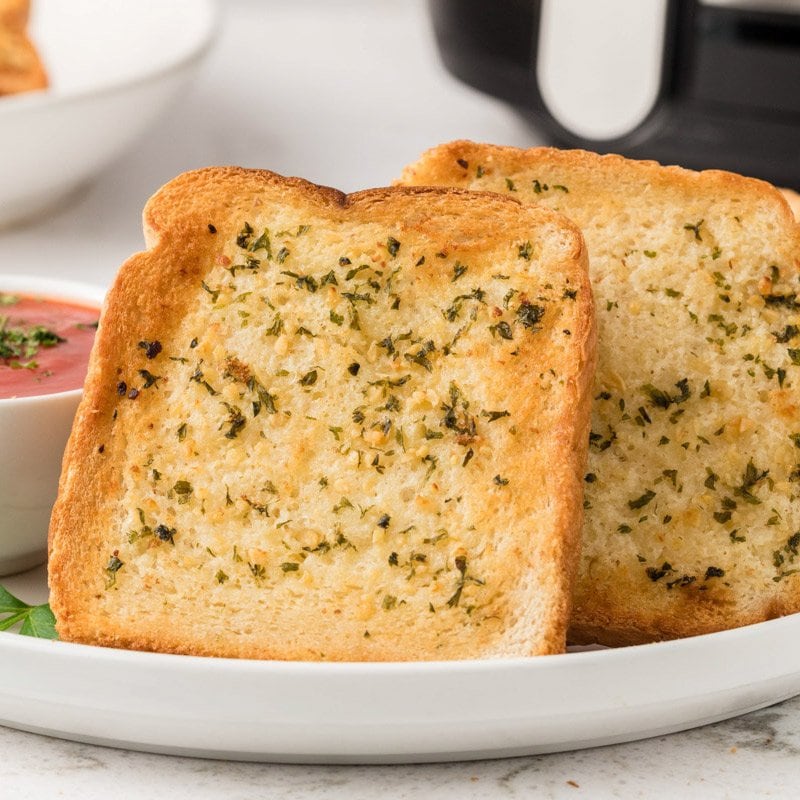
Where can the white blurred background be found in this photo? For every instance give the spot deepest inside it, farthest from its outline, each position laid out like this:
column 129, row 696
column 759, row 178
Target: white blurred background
column 342, row 93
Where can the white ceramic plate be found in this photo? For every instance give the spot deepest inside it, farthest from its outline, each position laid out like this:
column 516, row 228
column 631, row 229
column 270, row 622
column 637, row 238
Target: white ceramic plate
column 113, row 68
column 386, row 713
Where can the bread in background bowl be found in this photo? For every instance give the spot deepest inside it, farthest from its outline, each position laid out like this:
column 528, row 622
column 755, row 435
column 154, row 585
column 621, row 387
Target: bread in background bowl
column 21, row 69
column 113, row 68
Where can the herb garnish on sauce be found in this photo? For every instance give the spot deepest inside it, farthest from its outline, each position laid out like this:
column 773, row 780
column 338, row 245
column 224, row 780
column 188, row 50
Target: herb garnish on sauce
column 17, row 344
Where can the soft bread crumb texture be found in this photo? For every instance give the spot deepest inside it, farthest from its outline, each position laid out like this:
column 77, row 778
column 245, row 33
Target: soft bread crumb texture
column 692, row 488
column 332, row 428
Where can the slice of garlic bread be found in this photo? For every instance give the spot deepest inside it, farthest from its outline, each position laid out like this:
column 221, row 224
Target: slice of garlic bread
column 693, row 485
column 330, row 427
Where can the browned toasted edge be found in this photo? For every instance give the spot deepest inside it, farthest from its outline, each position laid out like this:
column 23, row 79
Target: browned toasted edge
column 622, row 621
column 441, row 164
column 149, row 296
column 571, row 437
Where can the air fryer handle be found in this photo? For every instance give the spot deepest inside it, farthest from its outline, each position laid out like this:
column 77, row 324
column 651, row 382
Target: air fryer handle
column 727, row 92
column 551, row 57
column 599, row 64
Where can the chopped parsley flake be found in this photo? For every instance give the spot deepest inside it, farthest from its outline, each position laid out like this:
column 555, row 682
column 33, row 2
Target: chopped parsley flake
column 642, row 501
column 309, row 379
column 529, row 315
column 663, row 399
column 695, row 229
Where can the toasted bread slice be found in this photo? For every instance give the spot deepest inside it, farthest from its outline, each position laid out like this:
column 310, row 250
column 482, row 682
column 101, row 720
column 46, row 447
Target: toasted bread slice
column 330, row 427
column 694, row 468
column 21, row 69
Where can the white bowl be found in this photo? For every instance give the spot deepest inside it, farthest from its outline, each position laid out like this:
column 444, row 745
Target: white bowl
column 113, row 68
column 33, row 434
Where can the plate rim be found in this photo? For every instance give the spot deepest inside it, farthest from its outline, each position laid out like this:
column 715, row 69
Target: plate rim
column 555, row 661
column 392, row 712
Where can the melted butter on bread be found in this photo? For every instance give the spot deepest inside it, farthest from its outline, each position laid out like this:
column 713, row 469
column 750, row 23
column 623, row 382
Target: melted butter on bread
column 361, row 437
column 694, row 470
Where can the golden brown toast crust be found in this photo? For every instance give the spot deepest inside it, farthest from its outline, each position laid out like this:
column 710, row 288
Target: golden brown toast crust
column 187, row 224
column 731, row 231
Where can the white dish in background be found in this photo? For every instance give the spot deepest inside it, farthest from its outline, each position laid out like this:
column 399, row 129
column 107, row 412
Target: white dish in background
column 33, row 433
column 113, row 68
column 388, row 713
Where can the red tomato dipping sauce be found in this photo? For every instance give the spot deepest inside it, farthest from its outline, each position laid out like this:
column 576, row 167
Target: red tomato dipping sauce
column 44, row 345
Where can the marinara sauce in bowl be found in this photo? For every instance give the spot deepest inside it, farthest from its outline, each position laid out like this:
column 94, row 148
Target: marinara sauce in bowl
column 47, row 329
column 44, row 345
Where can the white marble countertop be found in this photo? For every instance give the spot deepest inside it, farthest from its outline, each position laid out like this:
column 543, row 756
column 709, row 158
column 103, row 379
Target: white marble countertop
column 756, row 756
column 342, row 93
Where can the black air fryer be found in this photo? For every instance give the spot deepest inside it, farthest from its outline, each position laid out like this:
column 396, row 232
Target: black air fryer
column 702, row 83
